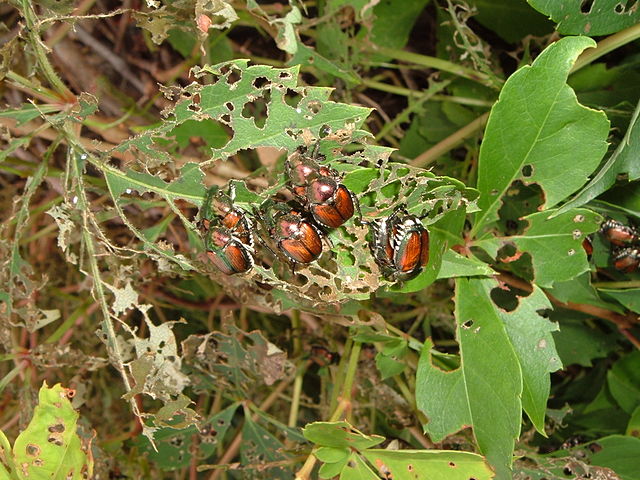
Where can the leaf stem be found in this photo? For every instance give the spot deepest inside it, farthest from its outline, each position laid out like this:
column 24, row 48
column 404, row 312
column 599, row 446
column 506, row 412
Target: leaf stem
column 607, row 45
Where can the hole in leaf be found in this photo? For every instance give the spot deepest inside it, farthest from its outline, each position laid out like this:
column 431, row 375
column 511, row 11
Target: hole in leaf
column 619, row 8
column 260, row 82
column 586, row 5
column 314, row 106
column 292, row 98
column 508, row 298
column 258, row 109
column 32, row 450
column 468, row 324
column 452, row 464
column 527, row 171
column 57, row 428
column 229, row 106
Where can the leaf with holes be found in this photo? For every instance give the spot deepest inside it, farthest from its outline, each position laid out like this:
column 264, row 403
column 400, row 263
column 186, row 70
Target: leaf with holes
column 429, row 464
column 259, row 446
column 590, row 17
column 485, row 392
column 175, row 447
column 259, row 104
column 620, row 453
column 355, row 468
column 536, row 129
column 50, row 446
column 554, row 243
column 531, row 338
column 236, row 358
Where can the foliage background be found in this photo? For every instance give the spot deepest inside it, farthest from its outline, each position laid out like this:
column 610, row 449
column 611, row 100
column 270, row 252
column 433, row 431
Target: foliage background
column 511, row 126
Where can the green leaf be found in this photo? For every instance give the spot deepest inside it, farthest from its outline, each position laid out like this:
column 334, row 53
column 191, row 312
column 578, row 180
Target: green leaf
column 554, row 243
column 629, row 298
column 429, row 464
column 6, row 457
column 620, row 454
column 536, row 129
column 50, row 446
column 259, row 446
column 455, row 265
column 28, row 112
column 331, row 454
column 339, row 435
column 580, row 290
column 579, row 343
column 623, row 160
column 357, row 469
column 624, row 381
column 511, row 20
column 601, row 17
column 485, row 391
column 394, row 20
column 633, row 427
column 531, row 337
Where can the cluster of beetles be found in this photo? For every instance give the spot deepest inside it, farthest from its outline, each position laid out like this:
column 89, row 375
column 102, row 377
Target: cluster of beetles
column 625, row 241
column 296, row 230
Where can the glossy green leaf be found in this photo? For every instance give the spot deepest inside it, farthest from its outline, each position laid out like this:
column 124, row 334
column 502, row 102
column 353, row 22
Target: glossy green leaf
column 619, row 453
column 339, row 435
column 50, row 446
column 536, row 129
column 429, row 464
column 624, row 381
column 589, row 17
column 485, row 392
column 554, row 243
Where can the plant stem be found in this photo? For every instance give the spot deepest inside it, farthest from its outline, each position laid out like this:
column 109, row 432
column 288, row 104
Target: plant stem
column 41, row 54
column 426, row 158
column 436, row 64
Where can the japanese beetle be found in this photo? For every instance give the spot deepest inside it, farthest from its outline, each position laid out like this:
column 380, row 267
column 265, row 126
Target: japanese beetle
column 619, row 234
column 227, row 252
column 296, row 236
column 400, row 245
column 318, row 187
column 627, row 260
column 227, row 232
column 322, row 356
